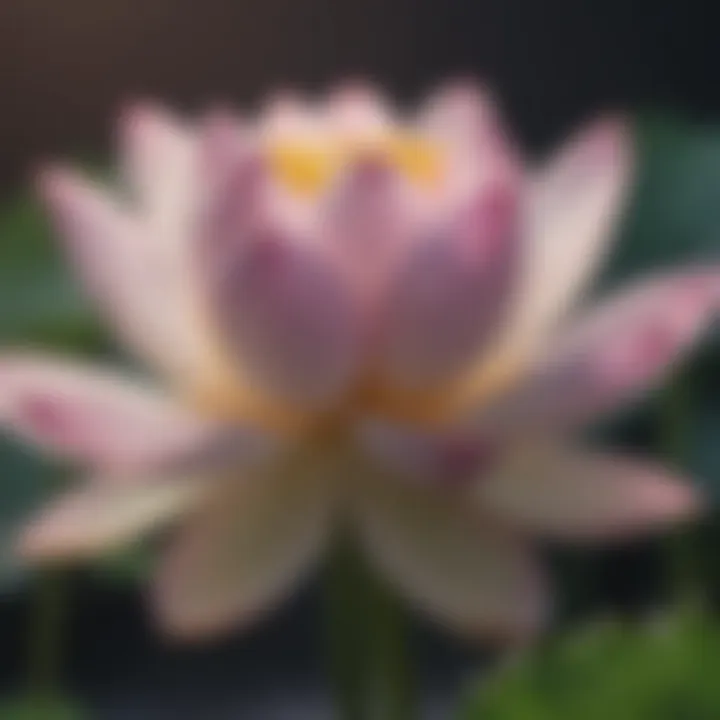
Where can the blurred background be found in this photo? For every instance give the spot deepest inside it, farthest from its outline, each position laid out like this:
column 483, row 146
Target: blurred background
column 65, row 68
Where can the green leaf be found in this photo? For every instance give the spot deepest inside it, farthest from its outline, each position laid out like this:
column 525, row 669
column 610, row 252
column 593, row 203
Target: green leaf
column 38, row 296
column 666, row 669
column 673, row 216
column 26, row 481
column 702, row 431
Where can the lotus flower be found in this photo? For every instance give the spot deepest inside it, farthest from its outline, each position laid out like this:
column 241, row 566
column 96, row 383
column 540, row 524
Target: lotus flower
column 361, row 322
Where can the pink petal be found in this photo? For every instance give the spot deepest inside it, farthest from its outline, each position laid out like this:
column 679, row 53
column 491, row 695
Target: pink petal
column 94, row 226
column 159, row 160
column 571, row 208
column 358, row 109
column 92, row 415
column 243, row 551
column 284, row 307
column 454, row 565
column 368, row 220
column 465, row 120
column 458, row 107
column 289, row 115
column 237, row 207
column 463, row 115
column 619, row 350
column 570, row 494
column 143, row 289
column 449, row 296
column 105, row 516
column 224, row 140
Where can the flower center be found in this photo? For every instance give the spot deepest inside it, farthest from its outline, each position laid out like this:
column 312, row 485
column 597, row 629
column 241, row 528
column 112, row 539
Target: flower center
column 306, row 166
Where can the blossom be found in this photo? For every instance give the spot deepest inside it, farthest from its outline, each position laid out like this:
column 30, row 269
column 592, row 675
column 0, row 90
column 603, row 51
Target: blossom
column 360, row 322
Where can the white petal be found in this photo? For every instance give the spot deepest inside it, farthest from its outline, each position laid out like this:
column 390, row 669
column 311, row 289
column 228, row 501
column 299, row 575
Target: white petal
column 572, row 206
column 103, row 242
column 243, row 551
column 453, row 563
column 570, row 494
column 609, row 356
column 357, row 110
column 141, row 282
column 158, row 153
column 92, row 415
column 287, row 115
column 104, row 516
column 170, row 168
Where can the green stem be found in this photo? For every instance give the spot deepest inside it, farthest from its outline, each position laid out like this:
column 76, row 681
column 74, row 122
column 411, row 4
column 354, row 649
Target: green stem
column 392, row 693
column 346, row 637
column 47, row 633
column 672, row 441
column 367, row 642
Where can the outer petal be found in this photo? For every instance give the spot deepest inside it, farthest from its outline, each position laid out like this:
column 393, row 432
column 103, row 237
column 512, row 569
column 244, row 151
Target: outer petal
column 105, row 516
column 223, row 140
column 140, row 282
column 457, row 110
column 283, row 306
column 465, row 121
column 571, row 206
column 449, row 295
column 452, row 563
column 357, row 111
column 287, row 115
column 570, row 494
column 245, row 549
column 178, row 171
column 94, row 416
column 103, row 242
column 617, row 351
column 465, row 118
column 159, row 159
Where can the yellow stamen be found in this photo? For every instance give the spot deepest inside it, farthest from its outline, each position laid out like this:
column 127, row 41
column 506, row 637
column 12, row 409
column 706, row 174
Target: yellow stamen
column 308, row 166
column 417, row 159
column 305, row 168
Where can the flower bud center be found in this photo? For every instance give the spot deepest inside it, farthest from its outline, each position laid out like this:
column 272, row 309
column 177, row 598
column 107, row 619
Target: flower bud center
column 306, row 166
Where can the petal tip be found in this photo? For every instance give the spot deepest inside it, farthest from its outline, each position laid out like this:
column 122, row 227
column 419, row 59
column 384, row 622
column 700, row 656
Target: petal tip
column 354, row 88
column 138, row 111
column 610, row 139
column 466, row 87
column 142, row 122
column 51, row 179
column 677, row 501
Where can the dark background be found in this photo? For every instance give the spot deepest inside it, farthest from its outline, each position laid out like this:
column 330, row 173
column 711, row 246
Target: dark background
column 66, row 65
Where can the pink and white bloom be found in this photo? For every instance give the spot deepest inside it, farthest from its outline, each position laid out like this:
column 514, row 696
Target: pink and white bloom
column 358, row 320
